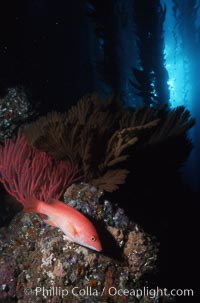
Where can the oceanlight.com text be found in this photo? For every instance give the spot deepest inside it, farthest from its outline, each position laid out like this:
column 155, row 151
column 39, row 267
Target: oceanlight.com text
column 111, row 291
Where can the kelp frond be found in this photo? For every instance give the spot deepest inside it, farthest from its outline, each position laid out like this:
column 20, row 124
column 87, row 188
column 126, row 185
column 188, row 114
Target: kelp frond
column 48, row 134
column 111, row 180
column 121, row 140
column 170, row 122
column 99, row 136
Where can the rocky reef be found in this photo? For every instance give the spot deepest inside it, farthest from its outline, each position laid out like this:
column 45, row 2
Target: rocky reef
column 15, row 109
column 38, row 264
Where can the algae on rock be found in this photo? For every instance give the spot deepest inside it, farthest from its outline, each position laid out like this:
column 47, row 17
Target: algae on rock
column 37, row 257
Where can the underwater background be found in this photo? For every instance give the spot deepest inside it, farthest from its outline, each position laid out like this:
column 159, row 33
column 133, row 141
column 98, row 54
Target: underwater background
column 147, row 53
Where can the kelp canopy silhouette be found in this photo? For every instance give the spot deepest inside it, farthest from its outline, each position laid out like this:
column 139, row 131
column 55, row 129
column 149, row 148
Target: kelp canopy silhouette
column 99, row 136
column 150, row 78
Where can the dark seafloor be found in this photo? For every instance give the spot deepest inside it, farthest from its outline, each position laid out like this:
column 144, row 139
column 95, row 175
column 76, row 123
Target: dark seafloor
column 35, row 255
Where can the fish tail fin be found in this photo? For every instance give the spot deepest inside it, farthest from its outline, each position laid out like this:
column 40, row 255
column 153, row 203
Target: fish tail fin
column 32, row 206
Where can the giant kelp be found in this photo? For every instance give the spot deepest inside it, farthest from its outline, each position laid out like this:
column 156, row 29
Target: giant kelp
column 100, row 135
column 150, row 77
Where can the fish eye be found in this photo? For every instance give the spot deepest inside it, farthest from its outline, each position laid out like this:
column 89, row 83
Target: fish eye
column 93, row 238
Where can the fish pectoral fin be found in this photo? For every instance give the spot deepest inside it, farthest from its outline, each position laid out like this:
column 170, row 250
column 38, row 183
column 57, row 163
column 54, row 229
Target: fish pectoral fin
column 72, row 230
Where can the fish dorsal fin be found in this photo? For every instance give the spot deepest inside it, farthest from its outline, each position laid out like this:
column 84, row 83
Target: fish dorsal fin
column 53, row 201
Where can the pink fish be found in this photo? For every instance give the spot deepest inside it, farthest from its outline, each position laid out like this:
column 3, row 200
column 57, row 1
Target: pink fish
column 74, row 224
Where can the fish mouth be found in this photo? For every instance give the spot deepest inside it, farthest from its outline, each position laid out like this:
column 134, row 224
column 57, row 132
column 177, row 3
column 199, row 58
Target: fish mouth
column 98, row 249
column 94, row 248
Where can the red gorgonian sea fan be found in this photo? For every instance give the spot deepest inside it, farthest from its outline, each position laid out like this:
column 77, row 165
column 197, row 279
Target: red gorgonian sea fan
column 29, row 173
